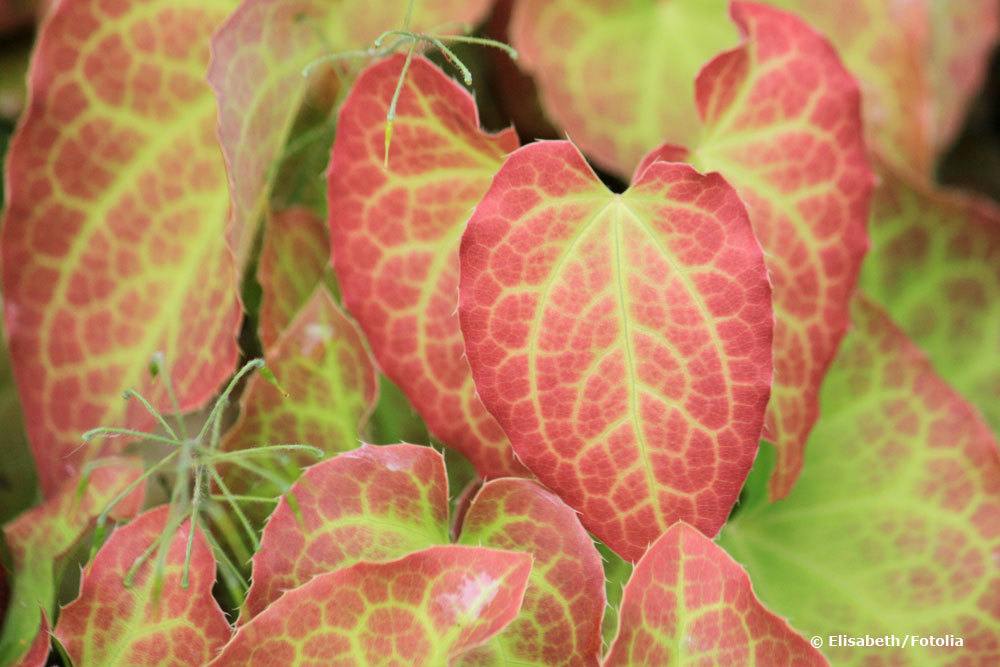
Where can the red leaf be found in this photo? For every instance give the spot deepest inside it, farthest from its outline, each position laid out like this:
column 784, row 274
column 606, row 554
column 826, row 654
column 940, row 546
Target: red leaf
column 560, row 619
column 689, row 603
column 373, row 503
column 113, row 243
column 111, row 624
column 395, row 235
column 622, row 341
column 783, row 126
column 380, row 503
column 423, row 609
column 293, row 257
column 260, row 54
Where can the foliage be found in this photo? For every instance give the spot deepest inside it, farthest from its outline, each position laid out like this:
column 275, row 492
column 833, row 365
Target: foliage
column 321, row 360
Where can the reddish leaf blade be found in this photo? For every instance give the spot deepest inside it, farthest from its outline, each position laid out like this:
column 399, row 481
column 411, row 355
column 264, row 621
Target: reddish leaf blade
column 257, row 75
column 109, row 624
column 935, row 267
column 423, row 609
column 689, row 603
column 293, row 258
column 38, row 538
column 332, row 385
column 560, row 619
column 616, row 75
column 113, row 241
column 893, row 523
column 395, row 235
column 623, row 342
column 374, row 503
column 783, row 125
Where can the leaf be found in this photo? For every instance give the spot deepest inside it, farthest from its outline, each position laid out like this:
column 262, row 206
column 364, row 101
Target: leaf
column 782, row 124
column 422, row 609
column 40, row 537
column 322, row 362
column 111, row 624
column 617, row 76
column 560, row 619
column 689, row 603
column 380, row 503
column 293, row 258
column 260, row 54
column 622, row 341
column 920, row 63
column 935, row 266
column 395, row 235
column 892, row 528
column 373, row 503
column 113, row 244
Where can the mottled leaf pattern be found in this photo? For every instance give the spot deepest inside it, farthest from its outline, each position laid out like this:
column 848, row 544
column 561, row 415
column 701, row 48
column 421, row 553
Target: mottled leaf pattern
column 935, row 267
column 622, row 341
column 423, row 609
column 113, row 243
column 260, row 55
column 560, row 619
column 689, row 603
column 617, row 75
column 380, row 503
column 919, row 63
column 38, row 652
column 373, row 503
column 322, row 362
column 782, row 124
column 40, row 536
column 110, row 624
column 892, row 527
column 293, row 258
column 396, row 233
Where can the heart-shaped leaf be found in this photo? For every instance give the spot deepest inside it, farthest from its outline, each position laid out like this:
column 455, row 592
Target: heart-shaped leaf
column 935, row 267
column 892, row 528
column 328, row 384
column 622, row 341
column 423, row 609
column 149, row 621
column 396, row 233
column 293, row 257
column 782, row 124
column 257, row 73
column 113, row 242
column 379, row 503
column 689, row 603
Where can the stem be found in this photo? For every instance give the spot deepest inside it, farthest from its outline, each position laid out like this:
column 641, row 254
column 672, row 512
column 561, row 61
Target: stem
column 110, row 431
column 481, row 41
column 224, row 398
column 129, row 393
column 390, row 117
column 241, row 453
column 231, row 501
column 452, row 58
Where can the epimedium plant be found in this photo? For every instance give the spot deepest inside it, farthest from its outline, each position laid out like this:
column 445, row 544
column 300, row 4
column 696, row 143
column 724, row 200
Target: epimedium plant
column 300, row 183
